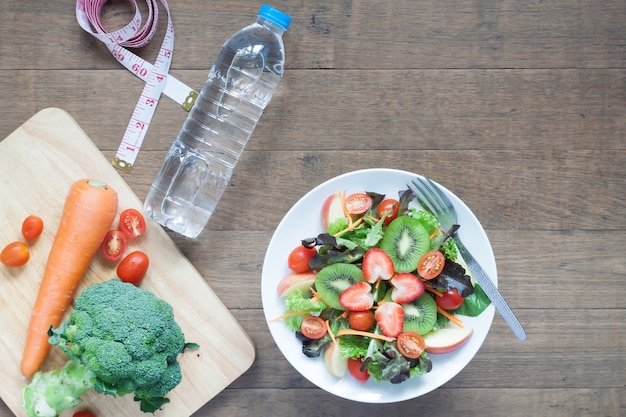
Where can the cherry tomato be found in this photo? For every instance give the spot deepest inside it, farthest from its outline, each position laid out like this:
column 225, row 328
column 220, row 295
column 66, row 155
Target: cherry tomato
column 431, row 264
column 114, row 245
column 133, row 267
column 410, row 344
column 32, row 227
column 389, row 207
column 83, row 414
column 132, row 223
column 358, row 203
column 299, row 258
column 361, row 320
column 313, row 327
column 15, row 254
column 450, row 300
column 354, row 366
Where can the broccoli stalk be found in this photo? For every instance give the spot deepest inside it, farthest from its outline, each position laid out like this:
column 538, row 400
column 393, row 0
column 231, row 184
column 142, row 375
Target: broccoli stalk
column 120, row 339
column 51, row 392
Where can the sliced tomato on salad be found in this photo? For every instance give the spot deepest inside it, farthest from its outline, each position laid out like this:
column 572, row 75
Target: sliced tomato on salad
column 431, row 264
column 313, row 327
column 388, row 207
column 358, row 203
column 410, row 344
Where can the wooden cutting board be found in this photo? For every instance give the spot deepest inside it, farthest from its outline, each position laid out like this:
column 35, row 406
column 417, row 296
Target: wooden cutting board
column 38, row 163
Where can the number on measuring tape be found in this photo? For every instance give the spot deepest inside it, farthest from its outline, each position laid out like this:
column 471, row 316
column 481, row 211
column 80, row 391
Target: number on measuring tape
column 156, row 76
column 139, row 70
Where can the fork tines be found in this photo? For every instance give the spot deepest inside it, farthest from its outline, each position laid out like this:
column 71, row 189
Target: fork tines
column 425, row 195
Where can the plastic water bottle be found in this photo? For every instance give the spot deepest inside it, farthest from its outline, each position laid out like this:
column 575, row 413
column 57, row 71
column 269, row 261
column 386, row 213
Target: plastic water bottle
column 200, row 162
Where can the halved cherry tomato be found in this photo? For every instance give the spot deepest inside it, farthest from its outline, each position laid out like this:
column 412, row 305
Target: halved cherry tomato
column 431, row 264
column 133, row 267
column 313, row 327
column 389, row 207
column 354, row 366
column 132, row 223
column 450, row 300
column 361, row 320
column 32, row 227
column 114, row 245
column 15, row 254
column 358, row 203
column 83, row 414
column 299, row 258
column 410, row 344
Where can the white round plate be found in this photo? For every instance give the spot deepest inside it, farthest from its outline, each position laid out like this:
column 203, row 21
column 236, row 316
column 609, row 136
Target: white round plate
column 303, row 221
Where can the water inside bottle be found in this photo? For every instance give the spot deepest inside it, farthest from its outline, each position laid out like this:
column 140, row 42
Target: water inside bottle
column 244, row 73
column 199, row 165
column 175, row 199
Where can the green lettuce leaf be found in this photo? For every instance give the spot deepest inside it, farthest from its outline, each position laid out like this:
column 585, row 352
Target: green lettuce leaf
column 297, row 301
column 427, row 219
column 474, row 303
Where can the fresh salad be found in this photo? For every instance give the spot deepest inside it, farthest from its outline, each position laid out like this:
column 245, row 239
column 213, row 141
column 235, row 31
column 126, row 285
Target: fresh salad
column 380, row 289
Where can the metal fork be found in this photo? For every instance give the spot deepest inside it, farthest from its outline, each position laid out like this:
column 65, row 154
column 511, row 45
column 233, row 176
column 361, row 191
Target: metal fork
column 433, row 199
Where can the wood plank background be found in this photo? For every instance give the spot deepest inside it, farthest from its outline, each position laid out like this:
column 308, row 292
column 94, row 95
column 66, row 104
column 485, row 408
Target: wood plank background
column 517, row 106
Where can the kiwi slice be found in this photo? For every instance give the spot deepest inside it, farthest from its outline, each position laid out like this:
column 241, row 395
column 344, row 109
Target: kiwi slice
column 334, row 279
column 405, row 241
column 420, row 315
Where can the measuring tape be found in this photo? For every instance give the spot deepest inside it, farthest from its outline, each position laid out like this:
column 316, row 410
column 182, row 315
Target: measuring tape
column 156, row 77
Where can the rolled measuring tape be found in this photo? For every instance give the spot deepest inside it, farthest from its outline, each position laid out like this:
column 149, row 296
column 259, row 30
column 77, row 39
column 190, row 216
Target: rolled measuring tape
column 156, row 76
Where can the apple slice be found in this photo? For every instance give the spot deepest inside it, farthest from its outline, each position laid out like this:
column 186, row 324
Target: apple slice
column 332, row 209
column 295, row 281
column 447, row 339
column 335, row 363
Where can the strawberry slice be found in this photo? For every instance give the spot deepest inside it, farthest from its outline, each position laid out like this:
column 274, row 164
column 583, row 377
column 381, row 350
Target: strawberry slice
column 357, row 297
column 377, row 265
column 390, row 318
column 406, row 288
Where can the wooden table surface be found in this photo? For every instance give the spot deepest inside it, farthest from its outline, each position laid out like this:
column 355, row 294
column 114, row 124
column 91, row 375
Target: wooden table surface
column 519, row 107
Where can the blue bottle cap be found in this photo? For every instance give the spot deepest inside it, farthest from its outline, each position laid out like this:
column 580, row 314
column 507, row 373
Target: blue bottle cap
column 275, row 16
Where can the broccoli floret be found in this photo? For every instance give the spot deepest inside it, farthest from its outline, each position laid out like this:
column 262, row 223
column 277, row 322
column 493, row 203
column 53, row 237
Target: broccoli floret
column 120, row 339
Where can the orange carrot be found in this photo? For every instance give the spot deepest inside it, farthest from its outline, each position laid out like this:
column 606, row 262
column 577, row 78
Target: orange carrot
column 454, row 319
column 293, row 313
column 330, row 332
column 372, row 218
column 89, row 211
column 316, row 296
column 351, row 227
column 344, row 332
column 428, row 287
